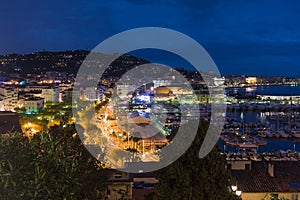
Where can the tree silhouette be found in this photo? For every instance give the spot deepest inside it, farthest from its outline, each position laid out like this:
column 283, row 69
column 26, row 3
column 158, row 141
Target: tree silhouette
column 52, row 165
column 192, row 178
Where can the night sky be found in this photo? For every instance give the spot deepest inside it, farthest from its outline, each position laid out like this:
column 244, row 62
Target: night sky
column 243, row 37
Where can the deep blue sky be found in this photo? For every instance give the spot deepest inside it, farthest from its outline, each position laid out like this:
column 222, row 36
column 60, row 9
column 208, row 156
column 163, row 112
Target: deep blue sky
column 243, row 37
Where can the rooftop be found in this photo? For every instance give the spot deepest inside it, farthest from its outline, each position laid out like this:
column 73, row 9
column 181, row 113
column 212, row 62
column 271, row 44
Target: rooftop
column 286, row 177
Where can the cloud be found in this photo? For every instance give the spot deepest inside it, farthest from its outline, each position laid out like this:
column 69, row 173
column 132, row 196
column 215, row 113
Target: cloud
column 237, row 34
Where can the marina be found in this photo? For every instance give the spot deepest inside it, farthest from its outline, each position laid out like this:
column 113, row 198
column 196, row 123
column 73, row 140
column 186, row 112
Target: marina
column 271, row 125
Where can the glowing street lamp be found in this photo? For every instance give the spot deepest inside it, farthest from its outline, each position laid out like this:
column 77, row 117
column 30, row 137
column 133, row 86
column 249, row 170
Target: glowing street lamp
column 233, row 188
column 238, row 193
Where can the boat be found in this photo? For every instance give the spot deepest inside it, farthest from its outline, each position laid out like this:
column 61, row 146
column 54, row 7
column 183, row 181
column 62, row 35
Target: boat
column 262, row 134
column 247, row 145
column 258, row 141
column 268, row 134
column 276, row 135
column 283, row 134
column 232, row 143
column 296, row 133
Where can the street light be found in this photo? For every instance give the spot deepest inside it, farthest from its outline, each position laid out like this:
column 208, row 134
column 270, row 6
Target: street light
column 233, row 188
column 238, row 193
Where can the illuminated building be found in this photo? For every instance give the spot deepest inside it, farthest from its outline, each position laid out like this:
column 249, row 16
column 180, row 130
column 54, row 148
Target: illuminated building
column 125, row 90
column 9, row 99
column 101, row 93
column 181, row 90
column 50, row 94
column 251, row 80
column 162, row 90
column 219, row 81
column 33, row 104
column 91, row 94
column 159, row 83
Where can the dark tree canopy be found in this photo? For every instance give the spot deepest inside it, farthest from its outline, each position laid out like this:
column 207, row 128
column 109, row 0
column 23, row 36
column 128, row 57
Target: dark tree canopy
column 52, row 165
column 193, row 178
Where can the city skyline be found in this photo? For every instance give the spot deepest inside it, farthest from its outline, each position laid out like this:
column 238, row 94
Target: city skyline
column 140, row 99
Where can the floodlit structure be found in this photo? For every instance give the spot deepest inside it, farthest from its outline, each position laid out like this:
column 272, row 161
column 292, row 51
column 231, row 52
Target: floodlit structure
column 251, row 80
column 33, row 104
column 50, row 94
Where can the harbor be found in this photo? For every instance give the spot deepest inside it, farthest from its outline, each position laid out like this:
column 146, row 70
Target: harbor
column 260, row 125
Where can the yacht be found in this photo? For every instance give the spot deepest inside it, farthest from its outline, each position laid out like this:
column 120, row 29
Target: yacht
column 296, row 133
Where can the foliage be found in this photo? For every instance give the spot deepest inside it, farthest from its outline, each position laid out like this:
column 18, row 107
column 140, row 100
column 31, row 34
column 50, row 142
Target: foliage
column 52, row 165
column 149, row 196
column 192, row 178
column 124, row 194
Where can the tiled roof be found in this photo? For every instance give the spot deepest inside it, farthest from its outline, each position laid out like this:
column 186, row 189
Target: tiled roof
column 286, row 177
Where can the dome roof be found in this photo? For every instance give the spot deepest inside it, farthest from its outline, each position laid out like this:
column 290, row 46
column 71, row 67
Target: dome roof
column 162, row 90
